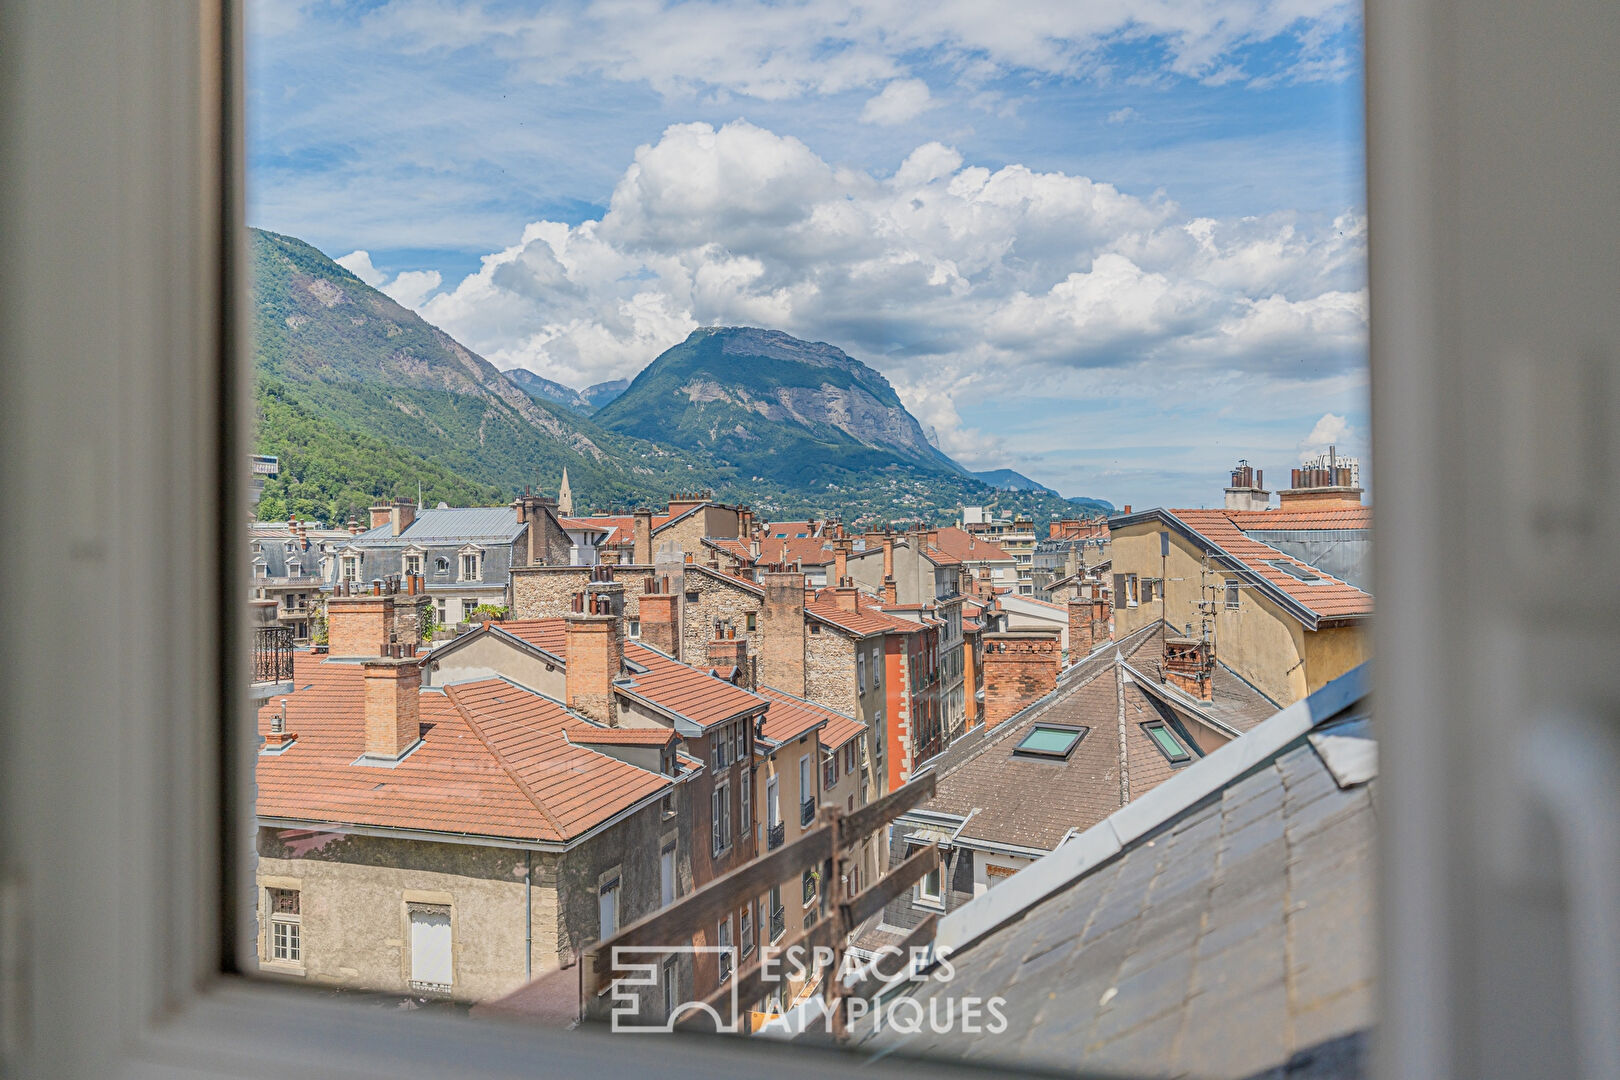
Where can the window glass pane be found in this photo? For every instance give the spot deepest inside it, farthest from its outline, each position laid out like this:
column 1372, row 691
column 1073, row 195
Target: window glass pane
column 1167, row 742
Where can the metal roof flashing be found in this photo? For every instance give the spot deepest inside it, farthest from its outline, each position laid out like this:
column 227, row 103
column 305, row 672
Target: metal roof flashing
column 1143, row 817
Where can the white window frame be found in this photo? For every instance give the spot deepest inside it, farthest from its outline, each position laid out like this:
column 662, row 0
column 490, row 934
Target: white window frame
column 144, row 402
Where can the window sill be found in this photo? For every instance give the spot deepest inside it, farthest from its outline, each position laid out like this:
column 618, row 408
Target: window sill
column 282, row 967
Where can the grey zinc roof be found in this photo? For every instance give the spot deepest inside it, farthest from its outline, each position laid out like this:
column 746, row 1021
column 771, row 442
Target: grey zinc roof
column 478, row 524
column 1221, row 928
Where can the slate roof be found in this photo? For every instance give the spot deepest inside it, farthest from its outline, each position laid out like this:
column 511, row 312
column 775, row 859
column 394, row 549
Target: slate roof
column 478, row 524
column 685, row 691
column 1016, row 800
column 1222, row 929
column 495, row 761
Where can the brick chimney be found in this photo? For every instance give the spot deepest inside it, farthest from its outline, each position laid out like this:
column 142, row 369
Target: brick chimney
column 595, row 657
column 660, row 616
column 359, row 626
column 841, row 548
column 381, row 515
column 729, row 650
column 846, row 595
column 1020, row 666
column 891, row 591
column 643, row 553
column 781, row 631
column 354, row 527
column 393, row 695
column 1189, row 666
column 1080, row 629
column 401, row 514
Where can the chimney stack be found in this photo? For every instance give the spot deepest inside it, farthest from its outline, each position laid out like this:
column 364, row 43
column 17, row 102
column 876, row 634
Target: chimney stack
column 781, row 630
column 1189, row 666
column 393, row 696
column 381, row 515
column 545, row 541
column 401, row 514
column 1020, row 667
column 595, row 656
column 359, row 626
column 891, row 591
column 354, row 527
column 729, row 650
column 643, row 555
column 840, row 558
column 660, row 616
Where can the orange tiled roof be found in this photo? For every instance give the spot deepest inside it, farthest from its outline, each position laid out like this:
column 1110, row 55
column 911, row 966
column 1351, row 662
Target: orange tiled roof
column 685, row 691
column 790, row 529
column 606, row 736
column 733, row 547
column 494, row 761
column 969, row 548
column 941, row 558
column 1328, row 517
column 548, row 634
column 869, row 619
column 1333, row 600
column 808, row 551
column 790, row 716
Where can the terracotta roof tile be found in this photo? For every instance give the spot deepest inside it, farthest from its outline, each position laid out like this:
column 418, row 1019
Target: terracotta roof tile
column 606, row 736
column 494, row 761
column 548, row 634
column 1331, row 600
column 685, row 691
column 869, row 619
column 969, row 548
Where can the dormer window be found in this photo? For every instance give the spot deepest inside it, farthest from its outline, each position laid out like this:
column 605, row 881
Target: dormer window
column 471, row 564
column 413, row 562
column 351, row 568
column 441, row 565
column 294, row 568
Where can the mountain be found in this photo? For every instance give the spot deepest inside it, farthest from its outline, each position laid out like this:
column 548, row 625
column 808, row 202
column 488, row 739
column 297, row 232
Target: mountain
column 344, row 355
column 546, row 390
column 601, row 393
column 773, row 406
column 362, row 400
column 1008, row 480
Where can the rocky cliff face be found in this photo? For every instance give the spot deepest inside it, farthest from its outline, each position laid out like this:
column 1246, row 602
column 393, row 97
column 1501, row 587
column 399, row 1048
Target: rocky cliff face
column 745, row 389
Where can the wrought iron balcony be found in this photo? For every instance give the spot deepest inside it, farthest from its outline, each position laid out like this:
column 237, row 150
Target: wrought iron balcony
column 774, row 835
column 272, row 654
column 807, row 811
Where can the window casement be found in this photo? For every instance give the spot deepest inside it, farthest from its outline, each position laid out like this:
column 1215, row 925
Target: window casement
column 439, row 611
column 351, row 568
column 849, row 756
column 285, row 939
column 470, row 563
column 751, row 621
column 671, row 973
column 469, row 604
column 809, row 883
column 432, row 948
column 1169, row 744
column 775, row 913
column 745, row 930
column 441, row 565
column 745, row 812
column 412, row 562
column 860, row 673
column 1233, row 594
column 666, row 875
column 632, row 628
column 1055, row 741
column 829, row 771
column 607, row 906
column 1133, row 590
column 720, row 816
column 773, row 803
column 723, row 939
column 929, row 892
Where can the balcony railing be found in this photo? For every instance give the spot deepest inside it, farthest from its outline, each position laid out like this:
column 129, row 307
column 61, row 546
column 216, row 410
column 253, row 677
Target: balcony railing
column 807, row 811
column 272, row 654
column 774, row 835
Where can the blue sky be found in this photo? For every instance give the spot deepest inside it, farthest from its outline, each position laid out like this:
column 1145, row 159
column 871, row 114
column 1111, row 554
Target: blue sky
column 1114, row 248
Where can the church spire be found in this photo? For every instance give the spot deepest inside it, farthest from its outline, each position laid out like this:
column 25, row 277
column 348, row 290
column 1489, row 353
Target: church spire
column 565, row 496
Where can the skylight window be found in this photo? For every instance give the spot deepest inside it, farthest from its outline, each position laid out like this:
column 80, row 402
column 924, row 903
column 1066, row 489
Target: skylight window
column 1166, row 741
column 1050, row 741
column 1294, row 570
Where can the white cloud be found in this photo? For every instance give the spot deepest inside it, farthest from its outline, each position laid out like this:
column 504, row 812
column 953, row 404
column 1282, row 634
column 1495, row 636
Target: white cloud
column 409, row 287
column 1331, row 430
column 953, row 279
column 1123, row 116
column 900, row 100
column 358, row 263
column 777, row 52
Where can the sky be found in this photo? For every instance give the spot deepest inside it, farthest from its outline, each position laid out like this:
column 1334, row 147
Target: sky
column 1114, row 246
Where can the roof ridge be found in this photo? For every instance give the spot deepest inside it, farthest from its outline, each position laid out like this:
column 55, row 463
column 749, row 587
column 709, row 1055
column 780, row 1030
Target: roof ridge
column 506, row 766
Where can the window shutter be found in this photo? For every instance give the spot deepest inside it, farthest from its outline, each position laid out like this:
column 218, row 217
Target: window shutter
column 1119, row 590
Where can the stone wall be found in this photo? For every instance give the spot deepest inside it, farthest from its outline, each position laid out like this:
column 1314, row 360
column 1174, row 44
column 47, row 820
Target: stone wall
column 710, row 597
column 546, row 592
column 829, row 670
